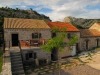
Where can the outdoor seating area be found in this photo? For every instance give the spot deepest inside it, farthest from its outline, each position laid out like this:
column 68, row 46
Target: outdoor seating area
column 33, row 42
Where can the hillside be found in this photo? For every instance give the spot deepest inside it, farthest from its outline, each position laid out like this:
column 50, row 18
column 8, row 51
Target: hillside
column 81, row 23
column 19, row 13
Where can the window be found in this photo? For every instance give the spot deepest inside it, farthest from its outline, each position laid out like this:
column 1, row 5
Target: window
column 53, row 35
column 30, row 55
column 69, row 35
column 36, row 35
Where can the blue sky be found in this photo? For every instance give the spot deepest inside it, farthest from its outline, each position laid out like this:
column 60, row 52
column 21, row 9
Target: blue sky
column 58, row 9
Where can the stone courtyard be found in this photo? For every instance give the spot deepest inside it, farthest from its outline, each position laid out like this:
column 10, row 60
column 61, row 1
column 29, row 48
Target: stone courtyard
column 86, row 63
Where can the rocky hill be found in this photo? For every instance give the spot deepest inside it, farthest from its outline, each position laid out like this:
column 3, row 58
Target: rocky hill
column 19, row 13
column 81, row 22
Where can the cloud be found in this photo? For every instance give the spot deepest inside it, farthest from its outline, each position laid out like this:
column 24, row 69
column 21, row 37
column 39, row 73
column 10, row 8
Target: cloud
column 58, row 9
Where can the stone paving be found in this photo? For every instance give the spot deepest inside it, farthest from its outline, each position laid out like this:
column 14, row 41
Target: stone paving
column 6, row 69
column 77, row 66
column 78, row 70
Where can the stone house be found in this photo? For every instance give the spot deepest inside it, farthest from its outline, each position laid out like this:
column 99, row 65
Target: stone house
column 29, row 34
column 90, row 38
column 70, row 31
column 96, row 26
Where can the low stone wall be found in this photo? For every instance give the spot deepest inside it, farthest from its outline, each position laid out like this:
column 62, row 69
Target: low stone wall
column 40, row 54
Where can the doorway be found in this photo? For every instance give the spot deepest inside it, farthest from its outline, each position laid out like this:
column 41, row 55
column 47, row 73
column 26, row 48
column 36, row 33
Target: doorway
column 87, row 43
column 77, row 48
column 14, row 39
column 97, row 42
column 54, row 54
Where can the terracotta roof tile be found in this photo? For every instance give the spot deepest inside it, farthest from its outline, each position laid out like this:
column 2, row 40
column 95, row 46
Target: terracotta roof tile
column 24, row 23
column 89, row 33
column 68, row 26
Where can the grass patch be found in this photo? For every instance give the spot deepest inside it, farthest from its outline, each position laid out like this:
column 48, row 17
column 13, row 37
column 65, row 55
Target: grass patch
column 1, row 60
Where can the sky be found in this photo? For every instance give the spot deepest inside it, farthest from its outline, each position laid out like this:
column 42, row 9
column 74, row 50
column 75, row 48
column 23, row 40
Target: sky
column 58, row 9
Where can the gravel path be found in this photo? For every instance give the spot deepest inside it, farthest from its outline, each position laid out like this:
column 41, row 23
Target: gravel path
column 79, row 70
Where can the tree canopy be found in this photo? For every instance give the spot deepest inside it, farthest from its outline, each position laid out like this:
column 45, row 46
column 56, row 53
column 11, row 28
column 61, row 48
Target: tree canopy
column 59, row 41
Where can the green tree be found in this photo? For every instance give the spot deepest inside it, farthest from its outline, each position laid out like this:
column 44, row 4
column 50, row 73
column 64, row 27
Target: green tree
column 58, row 42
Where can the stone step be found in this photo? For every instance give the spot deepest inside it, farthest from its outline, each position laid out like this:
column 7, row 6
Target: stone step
column 15, row 53
column 15, row 59
column 16, row 62
column 17, row 68
column 16, row 56
column 16, row 65
column 18, row 72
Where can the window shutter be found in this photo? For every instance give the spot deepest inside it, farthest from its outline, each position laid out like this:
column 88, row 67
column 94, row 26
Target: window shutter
column 32, row 35
column 39, row 35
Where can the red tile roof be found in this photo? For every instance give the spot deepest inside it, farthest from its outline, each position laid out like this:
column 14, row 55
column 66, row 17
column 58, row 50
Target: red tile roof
column 68, row 26
column 89, row 33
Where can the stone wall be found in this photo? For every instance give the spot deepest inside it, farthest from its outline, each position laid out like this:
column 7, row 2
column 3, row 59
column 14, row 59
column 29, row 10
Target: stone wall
column 24, row 34
column 92, row 43
column 68, row 51
column 77, row 34
column 39, row 52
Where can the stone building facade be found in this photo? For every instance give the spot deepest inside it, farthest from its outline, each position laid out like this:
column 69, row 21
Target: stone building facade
column 24, row 32
column 70, row 32
column 89, row 39
column 30, row 34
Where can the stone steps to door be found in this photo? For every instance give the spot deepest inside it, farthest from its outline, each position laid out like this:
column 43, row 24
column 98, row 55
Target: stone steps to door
column 16, row 63
column 17, row 72
column 17, row 69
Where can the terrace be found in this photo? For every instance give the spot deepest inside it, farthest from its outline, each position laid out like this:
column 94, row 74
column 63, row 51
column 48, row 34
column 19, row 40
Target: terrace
column 34, row 43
